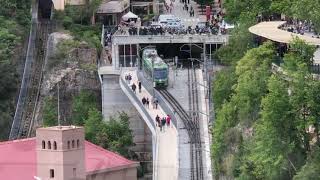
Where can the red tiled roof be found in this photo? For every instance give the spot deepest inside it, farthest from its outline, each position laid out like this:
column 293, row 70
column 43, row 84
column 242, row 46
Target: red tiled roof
column 18, row 159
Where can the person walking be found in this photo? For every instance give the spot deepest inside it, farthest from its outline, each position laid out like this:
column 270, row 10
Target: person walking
column 129, row 78
column 147, row 102
column 133, row 87
column 139, row 85
column 168, row 120
column 158, row 123
column 156, row 103
column 143, row 100
column 163, row 122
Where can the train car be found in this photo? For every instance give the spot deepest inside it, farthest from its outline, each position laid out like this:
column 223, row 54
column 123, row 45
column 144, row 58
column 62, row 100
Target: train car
column 160, row 68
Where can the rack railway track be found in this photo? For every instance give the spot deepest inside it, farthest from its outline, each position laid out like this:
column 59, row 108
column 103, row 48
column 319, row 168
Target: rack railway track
column 44, row 28
column 191, row 123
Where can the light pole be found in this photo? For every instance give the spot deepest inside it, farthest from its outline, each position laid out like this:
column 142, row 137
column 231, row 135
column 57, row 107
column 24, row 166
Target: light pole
column 153, row 83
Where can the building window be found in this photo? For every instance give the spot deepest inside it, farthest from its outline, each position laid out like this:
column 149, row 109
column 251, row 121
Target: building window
column 49, row 145
column 74, row 172
column 43, row 144
column 72, row 143
column 68, row 144
column 78, row 143
column 55, row 145
column 51, row 173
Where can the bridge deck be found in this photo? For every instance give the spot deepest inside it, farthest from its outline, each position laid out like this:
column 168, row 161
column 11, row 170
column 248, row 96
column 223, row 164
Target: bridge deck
column 166, row 161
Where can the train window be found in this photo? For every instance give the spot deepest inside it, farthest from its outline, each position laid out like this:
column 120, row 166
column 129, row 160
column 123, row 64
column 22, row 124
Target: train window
column 49, row 145
column 43, row 144
column 55, row 145
column 78, row 143
column 72, row 143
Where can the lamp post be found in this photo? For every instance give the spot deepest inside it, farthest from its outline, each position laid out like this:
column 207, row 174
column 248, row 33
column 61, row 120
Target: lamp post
column 153, row 83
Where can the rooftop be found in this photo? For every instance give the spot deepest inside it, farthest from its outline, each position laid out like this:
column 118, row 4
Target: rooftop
column 18, row 159
column 59, row 128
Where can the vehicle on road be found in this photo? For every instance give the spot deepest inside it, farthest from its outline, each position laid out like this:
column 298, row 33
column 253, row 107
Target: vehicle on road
column 154, row 65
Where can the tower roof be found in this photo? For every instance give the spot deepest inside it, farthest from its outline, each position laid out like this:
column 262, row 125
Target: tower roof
column 18, row 159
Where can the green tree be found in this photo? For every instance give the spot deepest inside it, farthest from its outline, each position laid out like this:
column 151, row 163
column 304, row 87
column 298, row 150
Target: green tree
column 81, row 105
column 240, row 41
column 273, row 140
column 222, row 87
column 113, row 134
column 310, row 170
column 50, row 112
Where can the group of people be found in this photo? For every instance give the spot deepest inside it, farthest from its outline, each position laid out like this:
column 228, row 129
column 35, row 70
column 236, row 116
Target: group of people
column 188, row 9
column 162, row 122
column 299, row 27
column 169, row 8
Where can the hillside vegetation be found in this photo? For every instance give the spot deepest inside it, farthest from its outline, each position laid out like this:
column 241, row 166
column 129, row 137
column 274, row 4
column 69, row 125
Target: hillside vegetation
column 14, row 26
column 266, row 125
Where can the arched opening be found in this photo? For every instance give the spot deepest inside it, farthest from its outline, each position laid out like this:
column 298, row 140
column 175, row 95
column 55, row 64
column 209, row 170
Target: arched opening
column 72, row 143
column 43, row 144
column 55, row 145
column 45, row 9
column 49, row 145
column 78, row 143
column 68, row 144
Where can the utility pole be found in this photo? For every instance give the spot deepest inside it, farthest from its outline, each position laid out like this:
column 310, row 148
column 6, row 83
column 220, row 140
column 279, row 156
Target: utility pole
column 153, row 83
column 59, row 124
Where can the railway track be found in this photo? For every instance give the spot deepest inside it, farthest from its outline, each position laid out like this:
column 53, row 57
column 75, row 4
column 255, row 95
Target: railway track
column 43, row 30
column 191, row 123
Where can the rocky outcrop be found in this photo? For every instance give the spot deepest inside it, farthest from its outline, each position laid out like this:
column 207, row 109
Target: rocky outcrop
column 73, row 73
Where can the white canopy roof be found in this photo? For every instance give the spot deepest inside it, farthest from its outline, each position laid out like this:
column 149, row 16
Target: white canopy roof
column 129, row 15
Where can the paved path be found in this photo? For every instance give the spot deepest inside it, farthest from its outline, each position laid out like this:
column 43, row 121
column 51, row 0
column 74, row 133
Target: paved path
column 167, row 161
column 184, row 15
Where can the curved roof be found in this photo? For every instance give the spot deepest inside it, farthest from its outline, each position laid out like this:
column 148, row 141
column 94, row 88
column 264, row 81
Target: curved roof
column 270, row 30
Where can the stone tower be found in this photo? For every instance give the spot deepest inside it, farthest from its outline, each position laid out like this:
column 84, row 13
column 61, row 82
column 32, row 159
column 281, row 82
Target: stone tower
column 60, row 153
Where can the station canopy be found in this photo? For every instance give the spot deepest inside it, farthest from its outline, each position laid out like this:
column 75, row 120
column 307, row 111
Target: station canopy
column 128, row 16
column 113, row 7
column 270, row 30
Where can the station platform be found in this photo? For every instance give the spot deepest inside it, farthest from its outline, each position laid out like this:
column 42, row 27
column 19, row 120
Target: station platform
column 165, row 142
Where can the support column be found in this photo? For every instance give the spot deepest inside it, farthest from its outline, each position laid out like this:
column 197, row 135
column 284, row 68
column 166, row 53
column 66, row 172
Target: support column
column 115, row 56
column 131, row 63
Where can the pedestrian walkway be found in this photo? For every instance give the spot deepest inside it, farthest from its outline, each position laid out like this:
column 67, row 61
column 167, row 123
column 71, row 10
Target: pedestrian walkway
column 167, row 145
column 184, row 15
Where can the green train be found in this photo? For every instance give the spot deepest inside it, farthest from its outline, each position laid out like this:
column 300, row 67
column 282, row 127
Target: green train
column 160, row 68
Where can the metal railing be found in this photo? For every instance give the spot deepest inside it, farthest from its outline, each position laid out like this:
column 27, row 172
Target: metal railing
column 26, row 75
column 134, row 96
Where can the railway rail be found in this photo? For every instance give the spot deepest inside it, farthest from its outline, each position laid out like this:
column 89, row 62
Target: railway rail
column 44, row 28
column 191, row 123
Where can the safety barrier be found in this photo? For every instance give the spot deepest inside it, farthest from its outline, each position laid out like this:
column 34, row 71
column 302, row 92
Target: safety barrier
column 26, row 75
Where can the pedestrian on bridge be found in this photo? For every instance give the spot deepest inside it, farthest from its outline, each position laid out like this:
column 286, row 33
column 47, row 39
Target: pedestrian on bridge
column 144, row 101
column 139, row 85
column 155, row 102
column 133, row 87
column 147, row 102
column 158, row 122
column 168, row 120
column 130, row 78
column 163, row 122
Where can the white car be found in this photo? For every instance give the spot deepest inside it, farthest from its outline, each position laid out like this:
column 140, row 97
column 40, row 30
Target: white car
column 174, row 24
column 166, row 18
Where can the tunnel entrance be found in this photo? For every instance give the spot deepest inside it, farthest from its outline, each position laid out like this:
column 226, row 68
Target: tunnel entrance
column 45, row 9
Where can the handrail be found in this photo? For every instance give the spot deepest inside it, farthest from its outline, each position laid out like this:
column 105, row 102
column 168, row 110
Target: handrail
column 125, row 85
column 26, row 74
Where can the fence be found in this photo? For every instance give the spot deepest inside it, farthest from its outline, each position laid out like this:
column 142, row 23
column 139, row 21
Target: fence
column 26, row 76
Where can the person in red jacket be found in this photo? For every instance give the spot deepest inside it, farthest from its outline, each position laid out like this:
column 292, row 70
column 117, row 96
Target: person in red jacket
column 168, row 120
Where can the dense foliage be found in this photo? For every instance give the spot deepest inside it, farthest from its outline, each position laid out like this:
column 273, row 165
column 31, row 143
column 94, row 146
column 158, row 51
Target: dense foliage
column 262, row 121
column 14, row 24
column 301, row 9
